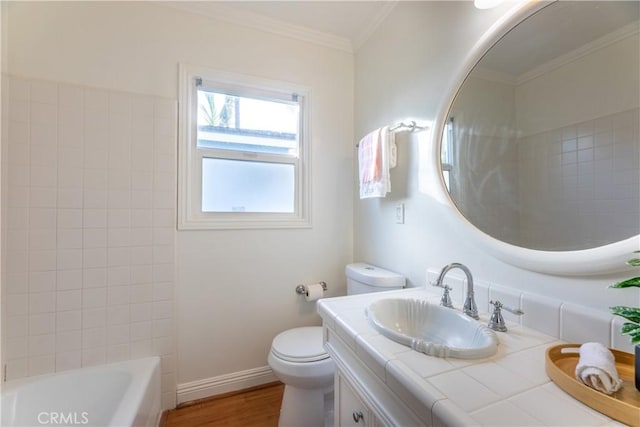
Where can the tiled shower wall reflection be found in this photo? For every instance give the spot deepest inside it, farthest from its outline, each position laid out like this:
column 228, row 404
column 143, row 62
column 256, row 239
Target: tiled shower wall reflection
column 585, row 175
column 90, row 204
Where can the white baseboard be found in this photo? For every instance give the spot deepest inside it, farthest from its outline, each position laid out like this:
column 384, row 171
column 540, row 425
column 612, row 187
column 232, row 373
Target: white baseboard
column 224, row 384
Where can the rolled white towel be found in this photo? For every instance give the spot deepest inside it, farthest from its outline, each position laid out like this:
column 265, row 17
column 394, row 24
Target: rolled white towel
column 597, row 368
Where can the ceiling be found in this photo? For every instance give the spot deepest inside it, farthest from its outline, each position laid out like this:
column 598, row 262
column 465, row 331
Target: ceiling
column 342, row 24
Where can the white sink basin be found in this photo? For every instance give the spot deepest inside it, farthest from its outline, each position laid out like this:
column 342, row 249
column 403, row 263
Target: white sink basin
column 432, row 329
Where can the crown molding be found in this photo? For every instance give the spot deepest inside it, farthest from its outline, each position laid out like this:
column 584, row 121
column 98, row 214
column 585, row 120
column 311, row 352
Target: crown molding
column 219, row 11
column 493, row 76
column 368, row 31
column 587, row 49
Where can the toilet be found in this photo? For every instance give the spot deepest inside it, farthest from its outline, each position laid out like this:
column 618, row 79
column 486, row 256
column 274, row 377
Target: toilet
column 299, row 360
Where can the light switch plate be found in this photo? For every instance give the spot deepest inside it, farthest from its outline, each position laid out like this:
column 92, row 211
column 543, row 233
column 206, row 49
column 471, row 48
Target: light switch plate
column 400, row 213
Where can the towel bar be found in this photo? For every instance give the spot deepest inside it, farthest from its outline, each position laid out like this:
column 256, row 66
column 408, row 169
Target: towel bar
column 411, row 127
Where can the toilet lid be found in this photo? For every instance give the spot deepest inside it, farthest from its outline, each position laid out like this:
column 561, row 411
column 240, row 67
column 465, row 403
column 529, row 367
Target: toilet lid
column 300, row 345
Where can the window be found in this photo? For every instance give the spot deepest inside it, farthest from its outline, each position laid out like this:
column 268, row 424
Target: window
column 446, row 154
column 243, row 152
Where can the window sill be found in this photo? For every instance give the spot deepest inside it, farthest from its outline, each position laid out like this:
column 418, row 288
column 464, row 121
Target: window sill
column 242, row 224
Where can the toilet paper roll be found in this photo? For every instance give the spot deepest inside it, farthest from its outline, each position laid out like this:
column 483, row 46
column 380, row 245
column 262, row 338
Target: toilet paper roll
column 313, row 292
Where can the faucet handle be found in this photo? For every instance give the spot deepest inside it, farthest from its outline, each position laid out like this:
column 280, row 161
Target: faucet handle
column 497, row 322
column 445, row 301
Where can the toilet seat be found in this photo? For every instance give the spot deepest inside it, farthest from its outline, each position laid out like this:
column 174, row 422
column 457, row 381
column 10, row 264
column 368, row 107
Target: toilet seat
column 300, row 345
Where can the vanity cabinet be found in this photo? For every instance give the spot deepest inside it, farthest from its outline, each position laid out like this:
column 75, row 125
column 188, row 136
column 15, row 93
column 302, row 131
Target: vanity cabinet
column 361, row 397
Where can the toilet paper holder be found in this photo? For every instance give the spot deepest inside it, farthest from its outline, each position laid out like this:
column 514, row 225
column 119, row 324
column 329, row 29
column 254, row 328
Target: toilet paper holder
column 302, row 289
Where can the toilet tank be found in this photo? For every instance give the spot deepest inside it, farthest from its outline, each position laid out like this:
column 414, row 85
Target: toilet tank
column 364, row 278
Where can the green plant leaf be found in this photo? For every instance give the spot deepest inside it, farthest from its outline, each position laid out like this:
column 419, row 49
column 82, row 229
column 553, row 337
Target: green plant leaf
column 630, row 329
column 634, row 281
column 629, row 313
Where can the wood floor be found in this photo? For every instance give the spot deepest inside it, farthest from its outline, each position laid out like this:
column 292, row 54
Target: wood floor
column 258, row 407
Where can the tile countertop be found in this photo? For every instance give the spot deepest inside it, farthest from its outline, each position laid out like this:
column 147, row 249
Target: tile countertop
column 510, row 388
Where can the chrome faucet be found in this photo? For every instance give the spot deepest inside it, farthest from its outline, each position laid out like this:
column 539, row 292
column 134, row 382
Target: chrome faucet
column 469, row 308
column 497, row 322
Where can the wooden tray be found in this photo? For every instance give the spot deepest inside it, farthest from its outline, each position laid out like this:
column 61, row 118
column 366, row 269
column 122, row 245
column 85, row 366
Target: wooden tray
column 623, row 406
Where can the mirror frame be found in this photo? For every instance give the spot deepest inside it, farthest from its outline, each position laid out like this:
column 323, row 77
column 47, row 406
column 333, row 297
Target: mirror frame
column 600, row 260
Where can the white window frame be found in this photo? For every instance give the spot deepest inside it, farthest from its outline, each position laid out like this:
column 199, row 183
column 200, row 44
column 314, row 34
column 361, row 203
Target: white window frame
column 190, row 214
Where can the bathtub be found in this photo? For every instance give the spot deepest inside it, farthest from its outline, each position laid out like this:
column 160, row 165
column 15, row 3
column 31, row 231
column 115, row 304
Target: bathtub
column 119, row 394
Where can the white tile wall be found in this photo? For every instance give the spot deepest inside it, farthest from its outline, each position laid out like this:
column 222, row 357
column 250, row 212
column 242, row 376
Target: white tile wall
column 581, row 324
column 90, row 229
column 542, row 313
column 572, row 178
column 621, row 342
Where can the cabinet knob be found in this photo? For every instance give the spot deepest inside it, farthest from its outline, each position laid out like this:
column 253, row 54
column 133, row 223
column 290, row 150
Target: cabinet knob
column 357, row 416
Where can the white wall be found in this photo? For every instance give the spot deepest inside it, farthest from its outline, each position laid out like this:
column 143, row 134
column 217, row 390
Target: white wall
column 234, row 289
column 4, row 132
column 401, row 72
column 90, row 207
column 603, row 81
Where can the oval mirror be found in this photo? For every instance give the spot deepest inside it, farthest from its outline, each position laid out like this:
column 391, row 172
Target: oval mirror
column 540, row 147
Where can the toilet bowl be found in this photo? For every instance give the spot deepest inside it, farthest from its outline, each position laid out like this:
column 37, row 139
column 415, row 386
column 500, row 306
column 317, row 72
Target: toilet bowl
column 299, row 360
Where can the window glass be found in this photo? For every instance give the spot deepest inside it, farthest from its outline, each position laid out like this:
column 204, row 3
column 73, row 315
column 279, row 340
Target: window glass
column 247, row 186
column 247, row 124
column 446, row 154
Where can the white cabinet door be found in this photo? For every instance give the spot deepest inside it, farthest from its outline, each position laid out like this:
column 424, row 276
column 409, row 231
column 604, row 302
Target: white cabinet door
column 349, row 409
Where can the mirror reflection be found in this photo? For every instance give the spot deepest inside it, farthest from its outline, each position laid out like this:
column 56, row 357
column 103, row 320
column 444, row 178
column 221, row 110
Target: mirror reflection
column 541, row 149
